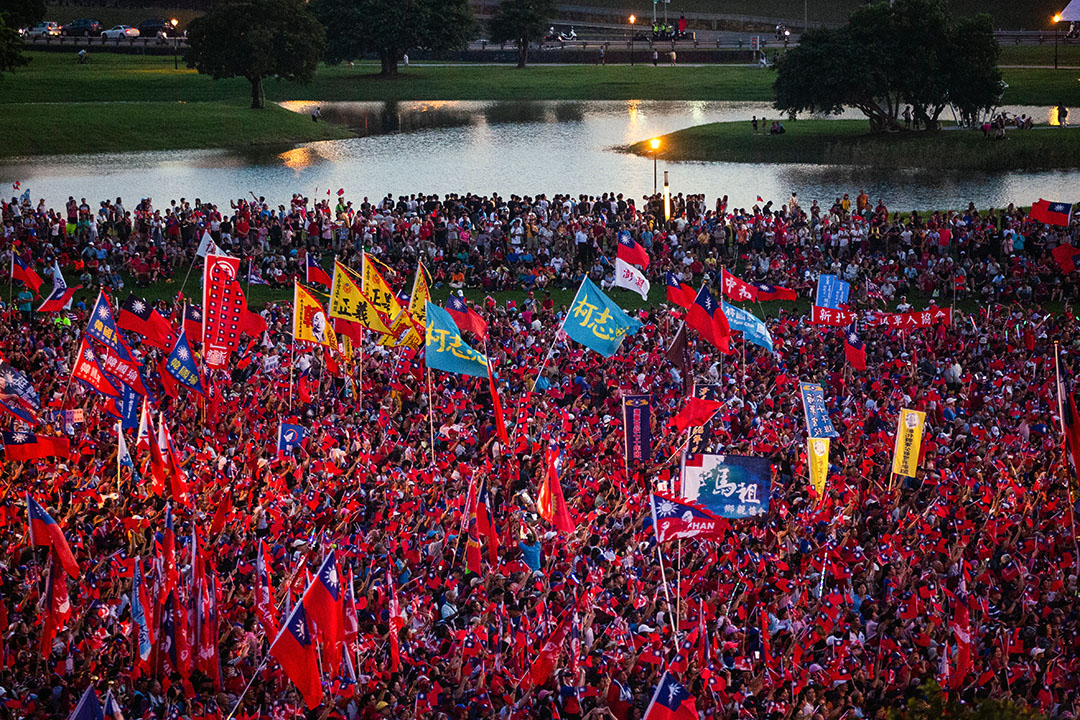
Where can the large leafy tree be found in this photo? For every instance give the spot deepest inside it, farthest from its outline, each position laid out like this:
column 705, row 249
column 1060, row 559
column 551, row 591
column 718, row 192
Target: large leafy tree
column 521, row 22
column 888, row 55
column 256, row 39
column 13, row 15
column 388, row 29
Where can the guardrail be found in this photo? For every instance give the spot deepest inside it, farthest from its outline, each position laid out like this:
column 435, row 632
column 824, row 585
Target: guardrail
column 99, row 43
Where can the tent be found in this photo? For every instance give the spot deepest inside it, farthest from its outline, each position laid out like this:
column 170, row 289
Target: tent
column 1071, row 13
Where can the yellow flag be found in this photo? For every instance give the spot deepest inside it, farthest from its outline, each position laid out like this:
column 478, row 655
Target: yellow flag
column 378, row 292
column 420, row 296
column 309, row 319
column 817, row 457
column 349, row 303
column 345, row 347
column 908, row 441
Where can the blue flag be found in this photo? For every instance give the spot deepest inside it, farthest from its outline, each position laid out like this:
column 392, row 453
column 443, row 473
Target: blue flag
column 123, row 455
column 138, row 613
column 181, row 364
column 832, row 292
column 818, row 424
column 89, row 708
column 731, row 486
column 289, row 438
column 749, row 325
column 446, row 350
column 102, row 327
column 596, row 321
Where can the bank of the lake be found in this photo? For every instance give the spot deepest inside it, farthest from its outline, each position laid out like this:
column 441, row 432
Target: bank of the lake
column 849, row 142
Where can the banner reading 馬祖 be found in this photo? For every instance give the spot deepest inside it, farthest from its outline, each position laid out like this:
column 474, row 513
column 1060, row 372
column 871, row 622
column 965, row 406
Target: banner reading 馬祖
column 908, row 441
column 731, row 486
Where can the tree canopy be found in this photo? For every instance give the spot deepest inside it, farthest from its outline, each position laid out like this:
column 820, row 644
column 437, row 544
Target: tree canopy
column 521, row 22
column 13, row 15
column 892, row 55
column 256, row 39
column 389, row 29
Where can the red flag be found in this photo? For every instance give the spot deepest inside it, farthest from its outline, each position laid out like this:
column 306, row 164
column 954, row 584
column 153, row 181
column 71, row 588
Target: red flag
column 45, row 532
column 541, row 667
column 485, row 522
column 671, row 701
column 961, row 627
column 1052, row 213
column 264, row 592
column 397, row 621
column 325, row 607
column 139, row 316
column 465, row 317
column 221, row 514
column 294, row 648
column 224, row 309
column 706, row 316
column 87, row 369
column 631, row 252
column 854, row 349
column 23, row 446
column 315, row 273
column 550, row 501
column 25, row 274
column 1065, row 256
column 679, row 292
column 735, row 288
column 696, row 413
column 500, row 423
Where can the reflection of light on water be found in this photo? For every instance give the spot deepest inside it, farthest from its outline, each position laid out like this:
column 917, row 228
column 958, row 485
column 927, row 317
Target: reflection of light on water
column 633, row 112
column 298, row 158
column 1053, row 118
column 697, row 110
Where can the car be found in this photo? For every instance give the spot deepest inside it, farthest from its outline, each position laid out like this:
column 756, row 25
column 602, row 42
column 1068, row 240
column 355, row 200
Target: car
column 157, row 27
column 43, row 30
column 83, row 27
column 119, row 32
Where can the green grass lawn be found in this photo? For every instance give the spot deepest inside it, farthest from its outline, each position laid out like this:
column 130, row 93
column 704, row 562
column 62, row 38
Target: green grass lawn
column 92, row 127
column 848, row 142
column 1041, row 54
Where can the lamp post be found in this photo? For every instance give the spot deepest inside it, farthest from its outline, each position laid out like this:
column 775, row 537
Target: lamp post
column 633, row 19
column 1057, row 19
column 655, row 145
column 175, row 63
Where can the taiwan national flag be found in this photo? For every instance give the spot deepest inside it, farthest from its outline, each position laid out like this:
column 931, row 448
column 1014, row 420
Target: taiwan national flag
column 465, row 317
column 45, row 532
column 707, row 318
column 774, row 292
column 60, row 297
column 854, row 348
column 324, row 603
column 294, row 648
column 1065, row 257
column 89, row 707
column 25, row 274
column 139, row 316
column 671, row 701
column 193, row 321
column 631, row 252
column 315, row 273
column 89, row 371
column 1052, row 213
column 24, row 446
column 679, row 292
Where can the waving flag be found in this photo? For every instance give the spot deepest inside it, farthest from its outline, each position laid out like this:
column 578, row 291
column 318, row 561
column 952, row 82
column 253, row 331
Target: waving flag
column 89, row 708
column 17, row 394
column 111, row 707
column 735, row 288
column 44, row 532
column 139, row 316
column 144, row 632
column 818, row 424
column 314, row 272
column 774, row 292
column 854, row 348
column 224, row 309
column 629, row 277
column 696, row 413
column 119, row 365
column 466, row 318
column 485, row 522
column 707, row 318
column 207, row 246
column 193, row 317
column 310, row 323
column 1067, row 415
column 123, row 456
column 731, row 486
column 323, row 603
column 446, row 350
column 671, row 701
column 25, row 274
column 88, row 371
column 182, row 366
column 60, row 297
column 752, row 328
column 289, row 438
column 23, row 446
column 1065, row 257
column 264, row 592
column 595, row 321
column 295, row 650
column 102, row 327
column 1052, row 213
column 629, row 251
column 377, row 290
column 679, row 292
column 349, row 303
column 677, row 518
column 541, row 667
column 549, row 500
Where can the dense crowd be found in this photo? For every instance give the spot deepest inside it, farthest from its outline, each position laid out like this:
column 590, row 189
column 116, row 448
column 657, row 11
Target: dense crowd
column 827, row 607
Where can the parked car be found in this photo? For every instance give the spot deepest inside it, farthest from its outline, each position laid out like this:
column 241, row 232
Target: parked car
column 43, row 30
column 119, row 32
column 157, row 27
column 83, row 27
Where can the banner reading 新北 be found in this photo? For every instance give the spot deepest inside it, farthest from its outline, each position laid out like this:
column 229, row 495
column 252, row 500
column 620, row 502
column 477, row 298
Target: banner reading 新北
column 908, row 441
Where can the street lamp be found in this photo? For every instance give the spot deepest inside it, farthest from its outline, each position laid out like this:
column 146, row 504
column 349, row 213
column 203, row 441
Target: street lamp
column 655, row 145
column 633, row 19
column 1057, row 19
column 175, row 63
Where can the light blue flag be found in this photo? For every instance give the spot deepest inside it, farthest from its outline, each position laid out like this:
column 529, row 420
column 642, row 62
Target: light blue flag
column 596, row 321
column 749, row 325
column 446, row 350
column 832, row 292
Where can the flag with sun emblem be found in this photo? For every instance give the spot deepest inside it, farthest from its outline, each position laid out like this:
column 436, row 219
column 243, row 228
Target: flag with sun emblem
column 182, row 366
column 88, row 371
column 671, row 701
column 675, row 518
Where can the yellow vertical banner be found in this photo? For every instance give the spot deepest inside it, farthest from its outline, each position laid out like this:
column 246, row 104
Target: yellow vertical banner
column 909, row 433
column 817, row 457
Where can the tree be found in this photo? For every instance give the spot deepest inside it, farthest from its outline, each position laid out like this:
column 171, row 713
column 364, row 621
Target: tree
column 389, row 29
column 888, row 55
column 256, row 39
column 13, row 15
column 521, row 22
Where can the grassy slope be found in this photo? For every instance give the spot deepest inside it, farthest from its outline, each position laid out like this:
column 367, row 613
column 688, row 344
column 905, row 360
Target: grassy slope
column 847, row 142
column 73, row 128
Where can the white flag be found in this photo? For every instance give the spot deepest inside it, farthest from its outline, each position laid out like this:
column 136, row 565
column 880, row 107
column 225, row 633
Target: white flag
column 629, row 277
column 208, row 247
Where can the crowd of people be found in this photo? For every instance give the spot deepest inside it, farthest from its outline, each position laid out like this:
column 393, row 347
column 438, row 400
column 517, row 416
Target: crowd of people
column 827, row 607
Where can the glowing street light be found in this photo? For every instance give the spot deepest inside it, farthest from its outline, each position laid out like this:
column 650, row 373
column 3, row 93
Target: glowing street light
column 175, row 63
column 633, row 19
column 655, row 145
column 1056, row 19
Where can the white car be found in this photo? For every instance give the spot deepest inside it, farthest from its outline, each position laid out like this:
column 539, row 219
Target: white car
column 43, row 30
column 120, row 31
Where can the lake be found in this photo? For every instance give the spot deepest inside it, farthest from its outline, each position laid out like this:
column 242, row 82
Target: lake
column 510, row 148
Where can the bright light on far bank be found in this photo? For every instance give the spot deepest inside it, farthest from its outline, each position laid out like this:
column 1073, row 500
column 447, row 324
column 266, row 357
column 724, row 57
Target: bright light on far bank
column 655, row 143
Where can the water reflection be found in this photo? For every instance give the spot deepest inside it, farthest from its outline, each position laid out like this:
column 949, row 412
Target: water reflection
column 508, row 147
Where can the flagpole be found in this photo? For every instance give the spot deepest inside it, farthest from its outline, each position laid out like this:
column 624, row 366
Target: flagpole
column 292, row 362
column 1061, row 421
column 555, row 339
column 430, row 413
column 678, row 589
